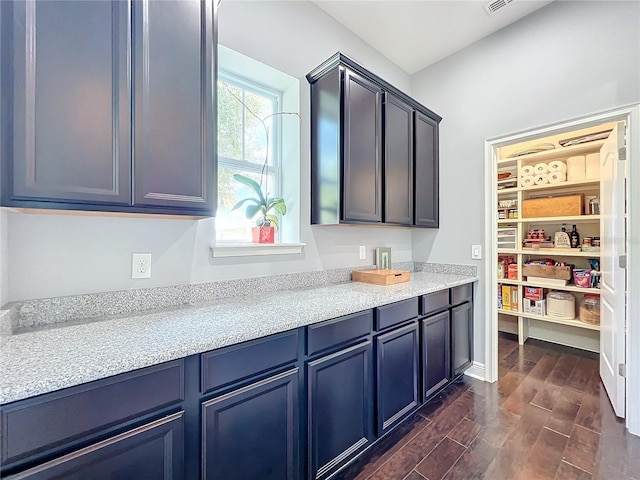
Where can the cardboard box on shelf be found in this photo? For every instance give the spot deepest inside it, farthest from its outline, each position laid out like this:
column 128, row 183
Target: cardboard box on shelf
column 506, row 297
column 535, row 307
column 533, row 293
column 514, row 299
column 512, row 271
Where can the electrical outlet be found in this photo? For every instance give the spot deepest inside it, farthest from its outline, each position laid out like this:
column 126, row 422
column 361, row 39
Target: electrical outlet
column 363, row 252
column 476, row 252
column 141, row 265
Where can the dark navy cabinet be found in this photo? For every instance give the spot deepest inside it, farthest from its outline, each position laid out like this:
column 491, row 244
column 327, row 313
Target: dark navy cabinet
column 173, row 116
column 362, row 139
column 299, row 404
column 253, row 432
column 371, row 162
column 108, row 105
column 398, row 161
column 436, row 351
column 397, row 367
column 340, row 408
column 426, row 175
column 153, row 451
column 462, row 337
column 66, row 89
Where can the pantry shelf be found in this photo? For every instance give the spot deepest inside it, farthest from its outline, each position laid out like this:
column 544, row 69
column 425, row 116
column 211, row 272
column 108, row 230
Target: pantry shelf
column 560, row 186
column 557, row 153
column 553, row 220
column 546, row 318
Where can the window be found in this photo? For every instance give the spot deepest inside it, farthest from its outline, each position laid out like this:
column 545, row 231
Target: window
column 244, row 147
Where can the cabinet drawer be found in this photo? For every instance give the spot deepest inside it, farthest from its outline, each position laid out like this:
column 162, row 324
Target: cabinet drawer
column 395, row 313
column 153, row 450
column 339, row 331
column 232, row 364
column 42, row 423
column 434, row 302
column 461, row 294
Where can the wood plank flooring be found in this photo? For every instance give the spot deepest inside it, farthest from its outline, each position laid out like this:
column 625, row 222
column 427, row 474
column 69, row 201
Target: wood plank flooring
column 547, row 417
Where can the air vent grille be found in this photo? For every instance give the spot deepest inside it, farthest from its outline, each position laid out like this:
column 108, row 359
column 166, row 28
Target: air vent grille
column 493, row 7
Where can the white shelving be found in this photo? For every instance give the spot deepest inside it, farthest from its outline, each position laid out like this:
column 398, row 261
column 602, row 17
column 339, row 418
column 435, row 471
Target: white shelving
column 588, row 225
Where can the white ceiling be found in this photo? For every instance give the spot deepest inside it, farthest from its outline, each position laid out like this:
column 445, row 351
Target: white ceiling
column 414, row 34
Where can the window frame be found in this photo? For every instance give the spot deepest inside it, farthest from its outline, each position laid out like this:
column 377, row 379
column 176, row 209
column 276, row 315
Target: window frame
column 274, row 166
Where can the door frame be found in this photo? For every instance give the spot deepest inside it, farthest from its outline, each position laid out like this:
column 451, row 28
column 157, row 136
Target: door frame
column 630, row 114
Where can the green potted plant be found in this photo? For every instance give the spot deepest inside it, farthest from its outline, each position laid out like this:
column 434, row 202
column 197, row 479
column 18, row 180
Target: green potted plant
column 264, row 231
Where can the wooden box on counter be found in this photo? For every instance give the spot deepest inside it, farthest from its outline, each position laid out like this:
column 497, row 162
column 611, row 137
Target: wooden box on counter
column 567, row 205
column 384, row 276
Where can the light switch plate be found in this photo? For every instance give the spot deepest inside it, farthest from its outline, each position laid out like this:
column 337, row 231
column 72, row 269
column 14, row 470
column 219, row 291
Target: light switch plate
column 476, row 252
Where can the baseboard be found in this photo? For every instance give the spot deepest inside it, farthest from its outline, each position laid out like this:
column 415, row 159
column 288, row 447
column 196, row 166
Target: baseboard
column 476, row 371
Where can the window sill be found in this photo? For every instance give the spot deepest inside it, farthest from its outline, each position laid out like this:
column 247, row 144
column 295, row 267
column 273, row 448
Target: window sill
column 252, row 249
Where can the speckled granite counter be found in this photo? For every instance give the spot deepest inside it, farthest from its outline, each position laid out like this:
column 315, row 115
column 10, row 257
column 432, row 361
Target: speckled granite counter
column 37, row 362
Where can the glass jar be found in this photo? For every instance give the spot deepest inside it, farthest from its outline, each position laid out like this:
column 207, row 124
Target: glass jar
column 590, row 309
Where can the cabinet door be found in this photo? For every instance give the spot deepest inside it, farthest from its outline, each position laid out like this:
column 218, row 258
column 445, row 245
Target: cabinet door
column 397, row 374
column 462, row 337
column 398, row 161
column 174, row 127
column 154, row 450
column 340, row 418
column 436, row 349
column 67, row 89
column 362, row 140
column 252, row 432
column 426, row 171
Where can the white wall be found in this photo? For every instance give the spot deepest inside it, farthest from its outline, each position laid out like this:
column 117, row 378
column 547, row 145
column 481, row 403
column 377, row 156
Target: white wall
column 569, row 59
column 54, row 255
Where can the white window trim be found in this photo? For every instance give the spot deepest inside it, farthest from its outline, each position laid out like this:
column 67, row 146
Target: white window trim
column 236, row 64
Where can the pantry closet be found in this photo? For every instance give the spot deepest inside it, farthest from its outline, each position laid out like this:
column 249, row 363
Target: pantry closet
column 558, row 239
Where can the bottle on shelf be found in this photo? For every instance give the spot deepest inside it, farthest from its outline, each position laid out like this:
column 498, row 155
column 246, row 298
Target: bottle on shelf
column 564, row 227
column 575, row 238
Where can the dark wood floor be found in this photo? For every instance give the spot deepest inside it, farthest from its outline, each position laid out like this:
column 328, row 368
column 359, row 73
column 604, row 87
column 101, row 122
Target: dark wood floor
column 548, row 417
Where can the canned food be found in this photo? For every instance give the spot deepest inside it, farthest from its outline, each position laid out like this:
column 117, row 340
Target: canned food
column 595, row 241
column 586, row 242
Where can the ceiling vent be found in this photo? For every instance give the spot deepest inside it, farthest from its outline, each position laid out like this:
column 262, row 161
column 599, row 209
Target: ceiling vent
column 492, row 7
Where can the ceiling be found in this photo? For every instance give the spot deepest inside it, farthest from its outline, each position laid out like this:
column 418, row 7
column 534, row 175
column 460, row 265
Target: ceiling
column 414, row 34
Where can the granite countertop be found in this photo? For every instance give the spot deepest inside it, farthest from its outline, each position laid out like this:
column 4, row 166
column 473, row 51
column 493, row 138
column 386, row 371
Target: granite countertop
column 44, row 360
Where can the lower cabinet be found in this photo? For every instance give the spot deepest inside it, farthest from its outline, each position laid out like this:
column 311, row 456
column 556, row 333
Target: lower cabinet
column 436, row 362
column 252, row 432
column 462, row 337
column 397, row 367
column 294, row 405
column 153, row 451
column 340, row 407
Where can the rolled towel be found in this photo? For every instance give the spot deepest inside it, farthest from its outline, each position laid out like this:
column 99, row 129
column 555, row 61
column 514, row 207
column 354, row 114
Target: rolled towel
column 592, row 166
column 527, row 170
column 541, row 167
column 557, row 166
column 576, row 168
column 557, row 177
column 542, row 178
column 527, row 181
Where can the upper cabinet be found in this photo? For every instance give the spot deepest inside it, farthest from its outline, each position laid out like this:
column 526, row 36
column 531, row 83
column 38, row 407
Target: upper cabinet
column 374, row 150
column 109, row 105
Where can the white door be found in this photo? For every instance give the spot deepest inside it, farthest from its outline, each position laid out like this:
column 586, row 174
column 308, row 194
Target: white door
column 613, row 279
